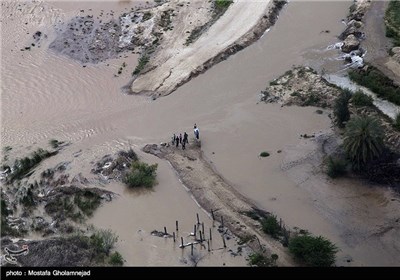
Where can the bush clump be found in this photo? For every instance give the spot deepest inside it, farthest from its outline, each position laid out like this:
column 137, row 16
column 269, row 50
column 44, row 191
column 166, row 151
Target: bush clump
column 141, row 175
column 360, row 99
column 270, row 225
column 116, row 259
column 341, row 109
column 260, row 260
column 397, row 122
column 313, row 251
column 264, row 154
column 336, row 167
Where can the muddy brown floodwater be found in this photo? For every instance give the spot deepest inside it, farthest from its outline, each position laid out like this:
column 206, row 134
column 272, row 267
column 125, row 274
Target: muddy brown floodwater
column 47, row 96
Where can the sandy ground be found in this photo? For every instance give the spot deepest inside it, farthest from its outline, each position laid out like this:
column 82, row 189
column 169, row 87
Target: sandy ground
column 177, row 62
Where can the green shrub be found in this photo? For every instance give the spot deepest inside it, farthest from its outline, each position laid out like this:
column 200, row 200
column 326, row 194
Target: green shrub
column 336, row 167
column 116, row 259
column 376, row 81
column 141, row 175
column 143, row 60
column 55, row 143
column 313, row 251
column 87, row 202
column 397, row 122
column 264, row 154
column 223, row 3
column 270, row 225
column 260, row 260
column 103, row 240
column 360, row 99
column 341, row 109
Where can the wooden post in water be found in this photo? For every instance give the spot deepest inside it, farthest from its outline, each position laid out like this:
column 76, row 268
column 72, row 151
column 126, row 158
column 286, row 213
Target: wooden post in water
column 212, row 215
column 201, row 237
column 182, row 243
column 208, row 245
column 223, row 239
column 165, row 230
column 177, row 228
column 191, row 249
column 198, row 219
column 173, row 235
column 195, row 231
column 202, row 229
column 210, row 235
column 222, row 221
column 280, row 223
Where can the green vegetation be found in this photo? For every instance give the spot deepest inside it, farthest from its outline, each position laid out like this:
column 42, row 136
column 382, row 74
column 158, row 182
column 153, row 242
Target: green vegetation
column 312, row 99
column 313, row 251
column 397, row 122
column 146, row 16
column 341, row 109
column 392, row 21
column 87, row 202
column 55, row 143
column 363, row 140
column 245, row 238
column 116, row 259
column 223, row 3
column 143, row 60
column 270, row 225
column 27, row 200
column 336, row 167
column 264, row 154
column 141, row 175
column 260, row 260
column 360, row 99
column 376, row 81
column 24, row 166
column 103, row 240
column 76, row 206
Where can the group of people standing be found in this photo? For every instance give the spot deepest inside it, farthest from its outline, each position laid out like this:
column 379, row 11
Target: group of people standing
column 183, row 140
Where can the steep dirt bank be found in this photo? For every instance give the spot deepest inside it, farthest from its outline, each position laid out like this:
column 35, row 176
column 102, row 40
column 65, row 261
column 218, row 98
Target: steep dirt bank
column 215, row 194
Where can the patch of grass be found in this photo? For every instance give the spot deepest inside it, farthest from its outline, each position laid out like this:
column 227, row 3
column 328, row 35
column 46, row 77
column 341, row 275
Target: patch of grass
column 24, row 166
column 392, row 21
column 116, row 259
column 313, row 251
column 264, row 154
column 245, row 238
column 223, row 3
column 376, row 81
column 88, row 202
column 141, row 175
column 5, row 228
column 252, row 214
column 360, row 99
column 312, row 99
column 396, row 123
column 143, row 60
column 103, row 240
column 260, row 260
column 270, row 225
column 336, row 167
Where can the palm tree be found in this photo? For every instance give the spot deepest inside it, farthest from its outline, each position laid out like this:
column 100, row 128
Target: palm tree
column 363, row 140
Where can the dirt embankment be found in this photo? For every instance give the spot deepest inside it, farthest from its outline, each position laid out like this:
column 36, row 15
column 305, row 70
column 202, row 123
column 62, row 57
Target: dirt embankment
column 176, row 63
column 213, row 193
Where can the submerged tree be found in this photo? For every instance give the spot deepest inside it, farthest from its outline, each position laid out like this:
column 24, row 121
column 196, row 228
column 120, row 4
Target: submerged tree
column 363, row 140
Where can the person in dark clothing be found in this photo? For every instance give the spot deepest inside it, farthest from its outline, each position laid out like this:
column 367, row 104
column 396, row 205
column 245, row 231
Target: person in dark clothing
column 183, row 145
column 177, row 142
column 173, row 139
column 185, row 138
column 197, row 133
column 180, row 138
